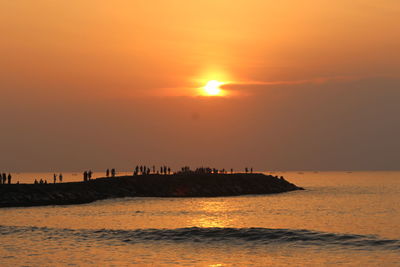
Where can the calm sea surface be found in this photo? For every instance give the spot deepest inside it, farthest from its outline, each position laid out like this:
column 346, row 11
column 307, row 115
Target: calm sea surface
column 341, row 219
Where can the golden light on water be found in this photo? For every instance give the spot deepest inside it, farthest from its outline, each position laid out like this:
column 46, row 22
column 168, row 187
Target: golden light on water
column 215, row 215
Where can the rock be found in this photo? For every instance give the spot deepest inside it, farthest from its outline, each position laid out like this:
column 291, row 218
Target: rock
column 193, row 185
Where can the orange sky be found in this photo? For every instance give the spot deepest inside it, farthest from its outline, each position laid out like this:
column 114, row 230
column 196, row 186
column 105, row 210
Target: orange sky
column 79, row 66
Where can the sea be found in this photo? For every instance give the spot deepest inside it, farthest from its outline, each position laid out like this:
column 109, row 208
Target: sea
column 340, row 219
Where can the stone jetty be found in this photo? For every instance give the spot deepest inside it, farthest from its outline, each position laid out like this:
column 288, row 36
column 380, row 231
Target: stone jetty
column 153, row 185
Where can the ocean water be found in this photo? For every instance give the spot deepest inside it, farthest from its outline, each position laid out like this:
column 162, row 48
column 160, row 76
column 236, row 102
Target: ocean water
column 341, row 219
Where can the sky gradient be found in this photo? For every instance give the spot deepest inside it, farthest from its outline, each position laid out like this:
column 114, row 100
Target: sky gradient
column 100, row 84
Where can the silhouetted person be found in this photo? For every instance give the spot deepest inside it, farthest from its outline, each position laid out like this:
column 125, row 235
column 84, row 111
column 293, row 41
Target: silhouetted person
column 41, row 181
column 165, row 170
column 36, row 182
column 85, row 176
column 107, row 172
column 169, row 170
column 246, row 170
column 54, row 178
column 9, row 178
column 112, row 172
column 60, row 177
column 231, row 171
column 45, row 181
column 89, row 175
column 251, row 170
column 4, row 176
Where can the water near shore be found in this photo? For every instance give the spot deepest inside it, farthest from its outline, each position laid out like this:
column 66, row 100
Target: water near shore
column 341, row 219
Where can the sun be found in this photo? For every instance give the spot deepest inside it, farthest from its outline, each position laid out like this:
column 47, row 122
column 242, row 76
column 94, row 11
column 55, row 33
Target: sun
column 212, row 88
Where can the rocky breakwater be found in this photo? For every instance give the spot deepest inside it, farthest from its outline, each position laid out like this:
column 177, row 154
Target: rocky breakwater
column 153, row 185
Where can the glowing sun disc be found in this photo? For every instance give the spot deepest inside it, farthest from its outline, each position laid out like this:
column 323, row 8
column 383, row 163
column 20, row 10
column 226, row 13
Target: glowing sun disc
column 212, row 88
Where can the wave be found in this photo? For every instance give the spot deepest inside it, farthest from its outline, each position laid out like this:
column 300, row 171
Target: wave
column 233, row 236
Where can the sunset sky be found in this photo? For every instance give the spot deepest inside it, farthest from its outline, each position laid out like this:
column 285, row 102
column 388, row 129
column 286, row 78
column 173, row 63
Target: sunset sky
column 305, row 85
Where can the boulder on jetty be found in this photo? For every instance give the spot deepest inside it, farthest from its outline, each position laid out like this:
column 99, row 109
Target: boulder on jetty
column 153, row 185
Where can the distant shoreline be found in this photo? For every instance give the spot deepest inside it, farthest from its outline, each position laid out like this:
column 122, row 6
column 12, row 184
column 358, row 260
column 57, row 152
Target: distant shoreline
column 153, row 185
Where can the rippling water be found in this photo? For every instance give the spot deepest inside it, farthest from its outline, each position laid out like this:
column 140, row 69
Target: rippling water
column 341, row 219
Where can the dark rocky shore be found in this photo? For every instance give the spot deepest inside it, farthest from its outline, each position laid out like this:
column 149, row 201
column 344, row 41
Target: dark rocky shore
column 154, row 185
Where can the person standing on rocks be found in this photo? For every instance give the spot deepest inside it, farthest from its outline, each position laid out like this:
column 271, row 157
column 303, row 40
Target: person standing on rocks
column 113, row 172
column 107, row 172
column 9, row 178
column 55, row 178
column 60, row 177
column 4, row 178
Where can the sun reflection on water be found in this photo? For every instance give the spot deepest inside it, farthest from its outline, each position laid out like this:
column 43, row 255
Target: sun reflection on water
column 215, row 214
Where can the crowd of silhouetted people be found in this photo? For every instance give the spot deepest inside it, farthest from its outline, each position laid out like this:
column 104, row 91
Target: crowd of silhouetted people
column 208, row 170
column 111, row 173
column 60, row 178
column 55, row 177
column 87, row 175
column 5, row 179
column 138, row 170
column 165, row 170
column 144, row 170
